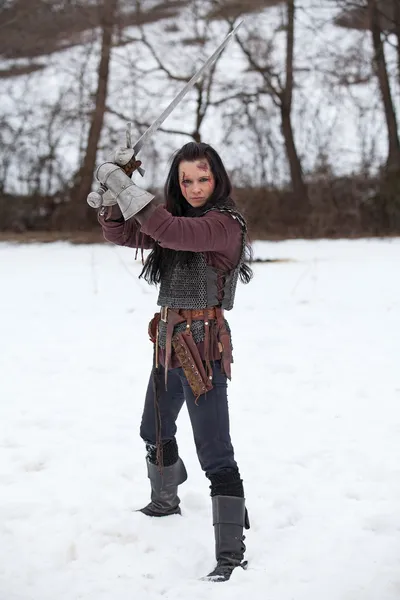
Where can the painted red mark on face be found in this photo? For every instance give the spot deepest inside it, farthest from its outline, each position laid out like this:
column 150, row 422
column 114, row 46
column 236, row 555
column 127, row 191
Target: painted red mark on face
column 203, row 166
column 184, row 185
column 183, row 182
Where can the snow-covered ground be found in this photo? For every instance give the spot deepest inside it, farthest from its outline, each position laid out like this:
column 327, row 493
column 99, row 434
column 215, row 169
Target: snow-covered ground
column 315, row 423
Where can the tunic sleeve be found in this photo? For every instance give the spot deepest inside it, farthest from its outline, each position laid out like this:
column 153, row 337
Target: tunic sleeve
column 214, row 232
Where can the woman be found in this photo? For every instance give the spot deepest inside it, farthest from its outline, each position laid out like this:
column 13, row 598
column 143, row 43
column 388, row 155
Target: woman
column 198, row 242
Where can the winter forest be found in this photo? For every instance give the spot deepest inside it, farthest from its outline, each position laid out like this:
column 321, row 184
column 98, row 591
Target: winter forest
column 303, row 106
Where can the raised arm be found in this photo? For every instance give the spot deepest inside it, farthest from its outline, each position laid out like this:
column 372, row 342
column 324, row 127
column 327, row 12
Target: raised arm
column 214, row 232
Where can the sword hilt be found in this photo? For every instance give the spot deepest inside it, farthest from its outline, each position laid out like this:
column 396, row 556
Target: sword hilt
column 132, row 166
column 126, row 159
column 95, row 199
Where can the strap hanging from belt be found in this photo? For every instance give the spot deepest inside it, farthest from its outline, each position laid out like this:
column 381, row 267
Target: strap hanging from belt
column 225, row 341
column 207, row 346
column 173, row 317
column 188, row 323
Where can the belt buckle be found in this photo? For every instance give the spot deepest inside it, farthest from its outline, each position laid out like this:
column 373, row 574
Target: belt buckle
column 164, row 314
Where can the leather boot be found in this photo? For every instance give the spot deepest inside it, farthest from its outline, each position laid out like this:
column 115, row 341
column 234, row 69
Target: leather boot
column 229, row 519
column 164, row 489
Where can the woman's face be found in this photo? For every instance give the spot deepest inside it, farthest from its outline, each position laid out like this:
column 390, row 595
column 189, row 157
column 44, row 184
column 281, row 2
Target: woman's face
column 196, row 181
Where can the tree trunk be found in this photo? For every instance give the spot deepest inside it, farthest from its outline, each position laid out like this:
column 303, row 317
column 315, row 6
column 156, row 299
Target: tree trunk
column 85, row 175
column 296, row 171
column 199, row 113
column 393, row 159
column 396, row 9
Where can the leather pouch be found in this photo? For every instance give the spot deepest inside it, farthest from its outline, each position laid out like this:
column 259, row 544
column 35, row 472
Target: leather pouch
column 153, row 326
column 191, row 363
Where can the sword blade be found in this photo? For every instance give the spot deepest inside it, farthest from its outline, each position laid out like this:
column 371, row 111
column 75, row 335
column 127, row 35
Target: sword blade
column 160, row 120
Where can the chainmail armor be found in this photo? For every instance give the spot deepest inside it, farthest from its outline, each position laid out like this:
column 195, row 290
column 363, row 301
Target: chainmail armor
column 186, row 286
column 194, row 286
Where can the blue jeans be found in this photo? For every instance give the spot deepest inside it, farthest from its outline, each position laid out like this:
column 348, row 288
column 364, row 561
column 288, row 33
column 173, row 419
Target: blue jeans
column 209, row 417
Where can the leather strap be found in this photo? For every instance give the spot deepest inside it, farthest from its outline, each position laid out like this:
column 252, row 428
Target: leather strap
column 190, row 314
column 225, row 341
column 199, row 314
column 173, row 317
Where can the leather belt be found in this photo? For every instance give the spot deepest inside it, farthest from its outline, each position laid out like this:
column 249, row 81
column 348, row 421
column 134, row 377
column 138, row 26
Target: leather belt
column 175, row 316
column 190, row 314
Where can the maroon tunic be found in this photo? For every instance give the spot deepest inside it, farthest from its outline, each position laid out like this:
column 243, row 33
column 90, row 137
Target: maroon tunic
column 217, row 234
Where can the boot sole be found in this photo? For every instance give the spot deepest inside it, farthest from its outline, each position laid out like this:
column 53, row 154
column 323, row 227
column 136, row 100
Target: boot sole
column 158, row 515
column 222, row 578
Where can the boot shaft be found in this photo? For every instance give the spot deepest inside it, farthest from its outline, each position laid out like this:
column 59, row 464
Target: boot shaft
column 229, row 521
column 229, row 517
column 164, row 489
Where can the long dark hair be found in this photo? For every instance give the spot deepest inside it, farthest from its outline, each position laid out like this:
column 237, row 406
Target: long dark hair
column 162, row 260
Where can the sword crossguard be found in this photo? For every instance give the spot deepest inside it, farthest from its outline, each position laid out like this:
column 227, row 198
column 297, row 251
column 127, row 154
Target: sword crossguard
column 129, row 135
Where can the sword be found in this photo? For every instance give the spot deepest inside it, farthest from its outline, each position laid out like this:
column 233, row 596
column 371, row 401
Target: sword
column 160, row 120
column 126, row 157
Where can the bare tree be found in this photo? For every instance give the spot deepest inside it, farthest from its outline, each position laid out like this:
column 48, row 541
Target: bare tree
column 208, row 90
column 280, row 89
column 393, row 159
column 397, row 33
column 286, row 102
column 379, row 17
column 85, row 175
